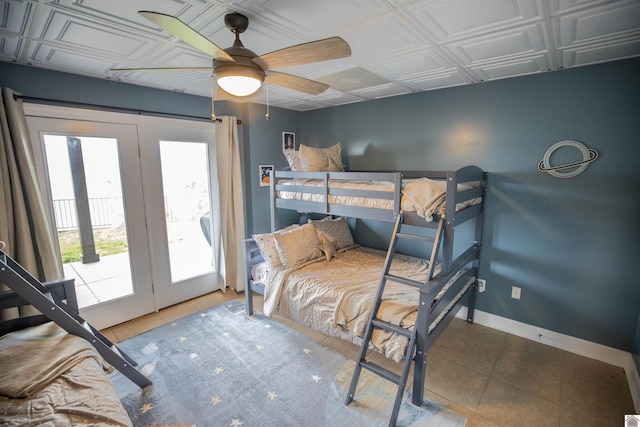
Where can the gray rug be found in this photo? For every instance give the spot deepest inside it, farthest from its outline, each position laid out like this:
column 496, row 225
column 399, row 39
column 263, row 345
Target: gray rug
column 221, row 367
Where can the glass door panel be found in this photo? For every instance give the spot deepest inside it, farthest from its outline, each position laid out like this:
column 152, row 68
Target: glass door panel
column 86, row 191
column 178, row 172
column 185, row 181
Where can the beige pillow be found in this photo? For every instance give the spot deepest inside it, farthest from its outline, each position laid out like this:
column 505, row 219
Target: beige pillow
column 321, row 159
column 337, row 229
column 267, row 246
column 298, row 246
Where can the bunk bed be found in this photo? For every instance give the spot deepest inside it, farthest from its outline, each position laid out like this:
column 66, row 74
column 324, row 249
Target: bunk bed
column 319, row 289
column 51, row 377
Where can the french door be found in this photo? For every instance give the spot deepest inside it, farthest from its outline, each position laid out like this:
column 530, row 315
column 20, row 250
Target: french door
column 132, row 199
column 179, row 164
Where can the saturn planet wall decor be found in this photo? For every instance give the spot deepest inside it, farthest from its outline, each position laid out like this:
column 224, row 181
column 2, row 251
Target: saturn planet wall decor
column 568, row 170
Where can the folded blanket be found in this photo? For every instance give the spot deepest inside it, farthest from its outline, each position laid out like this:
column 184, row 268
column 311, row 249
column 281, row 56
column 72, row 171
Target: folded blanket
column 427, row 197
column 83, row 396
column 44, row 352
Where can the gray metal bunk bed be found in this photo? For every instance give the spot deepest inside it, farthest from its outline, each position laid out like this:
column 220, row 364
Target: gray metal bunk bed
column 390, row 200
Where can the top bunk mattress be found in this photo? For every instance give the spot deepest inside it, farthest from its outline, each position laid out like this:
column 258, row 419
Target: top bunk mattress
column 424, row 196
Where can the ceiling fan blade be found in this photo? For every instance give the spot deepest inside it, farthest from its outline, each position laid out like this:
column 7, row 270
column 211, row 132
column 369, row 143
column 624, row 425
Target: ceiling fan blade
column 305, row 53
column 187, row 34
column 300, row 84
column 164, row 69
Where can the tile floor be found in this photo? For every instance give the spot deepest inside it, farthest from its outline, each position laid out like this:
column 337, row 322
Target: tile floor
column 493, row 378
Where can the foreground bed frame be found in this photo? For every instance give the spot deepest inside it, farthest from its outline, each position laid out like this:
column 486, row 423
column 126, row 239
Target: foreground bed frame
column 72, row 388
column 64, row 289
column 56, row 301
column 433, row 315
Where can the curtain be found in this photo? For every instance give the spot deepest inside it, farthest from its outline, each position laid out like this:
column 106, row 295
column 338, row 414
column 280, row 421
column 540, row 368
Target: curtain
column 25, row 226
column 231, row 201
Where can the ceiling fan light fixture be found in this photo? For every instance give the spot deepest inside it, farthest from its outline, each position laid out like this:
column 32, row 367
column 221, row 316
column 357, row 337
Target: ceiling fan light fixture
column 239, row 80
column 238, row 71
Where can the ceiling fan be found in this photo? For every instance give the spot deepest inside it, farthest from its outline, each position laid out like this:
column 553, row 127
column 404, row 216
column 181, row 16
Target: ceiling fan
column 240, row 72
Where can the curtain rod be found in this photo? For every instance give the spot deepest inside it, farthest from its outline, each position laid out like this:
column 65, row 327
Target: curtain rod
column 106, row 107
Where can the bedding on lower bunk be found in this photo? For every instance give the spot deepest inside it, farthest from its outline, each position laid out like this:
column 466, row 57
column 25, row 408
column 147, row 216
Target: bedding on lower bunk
column 49, row 377
column 424, row 196
column 334, row 294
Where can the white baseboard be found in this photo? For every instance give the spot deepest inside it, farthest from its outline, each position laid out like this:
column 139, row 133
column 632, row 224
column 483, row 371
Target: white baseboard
column 575, row 345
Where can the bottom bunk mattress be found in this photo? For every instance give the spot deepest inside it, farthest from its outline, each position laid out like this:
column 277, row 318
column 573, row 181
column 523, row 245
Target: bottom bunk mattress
column 335, row 297
column 48, row 377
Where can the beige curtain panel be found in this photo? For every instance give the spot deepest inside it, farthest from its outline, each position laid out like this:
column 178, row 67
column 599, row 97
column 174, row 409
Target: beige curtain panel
column 231, row 200
column 25, row 224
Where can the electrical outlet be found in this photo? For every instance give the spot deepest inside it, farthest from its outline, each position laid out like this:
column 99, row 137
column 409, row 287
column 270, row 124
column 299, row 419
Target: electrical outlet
column 515, row 292
column 482, row 285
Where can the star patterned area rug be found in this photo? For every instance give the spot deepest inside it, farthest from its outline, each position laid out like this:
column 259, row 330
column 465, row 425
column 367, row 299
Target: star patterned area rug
column 221, row 367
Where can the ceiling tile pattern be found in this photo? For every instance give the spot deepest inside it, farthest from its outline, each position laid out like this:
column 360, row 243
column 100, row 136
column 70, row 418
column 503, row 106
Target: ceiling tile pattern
column 398, row 46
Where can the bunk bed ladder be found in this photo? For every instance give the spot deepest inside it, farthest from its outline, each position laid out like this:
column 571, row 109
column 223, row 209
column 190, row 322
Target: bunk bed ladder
column 374, row 322
column 35, row 293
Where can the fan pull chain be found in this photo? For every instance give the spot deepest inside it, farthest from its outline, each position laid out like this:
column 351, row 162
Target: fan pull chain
column 267, row 116
column 213, row 114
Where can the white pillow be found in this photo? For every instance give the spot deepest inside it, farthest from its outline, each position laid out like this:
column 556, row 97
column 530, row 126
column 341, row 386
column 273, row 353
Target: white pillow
column 267, row 246
column 293, row 158
column 298, row 246
column 321, row 159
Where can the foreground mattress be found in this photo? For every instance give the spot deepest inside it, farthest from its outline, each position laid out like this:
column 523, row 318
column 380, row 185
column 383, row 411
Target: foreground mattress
column 48, row 377
column 336, row 297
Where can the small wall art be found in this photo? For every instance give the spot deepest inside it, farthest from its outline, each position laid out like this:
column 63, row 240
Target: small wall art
column 288, row 141
column 265, row 175
column 567, row 170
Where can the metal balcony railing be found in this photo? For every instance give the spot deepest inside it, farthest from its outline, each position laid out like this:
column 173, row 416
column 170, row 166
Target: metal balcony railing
column 103, row 210
column 107, row 212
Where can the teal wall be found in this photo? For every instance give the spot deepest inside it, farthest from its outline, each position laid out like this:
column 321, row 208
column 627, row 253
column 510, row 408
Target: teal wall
column 265, row 148
column 569, row 244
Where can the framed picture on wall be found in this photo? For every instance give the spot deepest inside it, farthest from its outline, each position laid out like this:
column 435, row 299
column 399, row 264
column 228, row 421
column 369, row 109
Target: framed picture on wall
column 288, row 141
column 265, row 175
